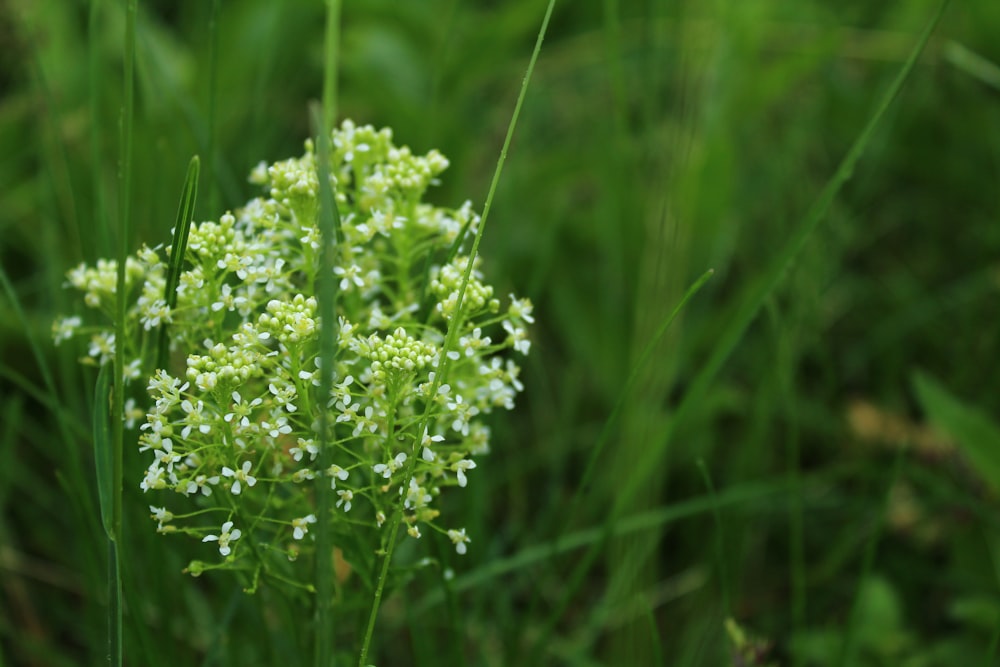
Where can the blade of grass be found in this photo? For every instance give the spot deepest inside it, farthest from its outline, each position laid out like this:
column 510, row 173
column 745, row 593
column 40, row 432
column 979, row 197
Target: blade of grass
column 330, row 50
column 761, row 289
column 213, row 77
column 115, row 621
column 96, row 130
column 973, row 64
column 330, row 235
column 106, row 493
column 742, row 496
column 182, row 226
column 454, row 326
column 327, row 291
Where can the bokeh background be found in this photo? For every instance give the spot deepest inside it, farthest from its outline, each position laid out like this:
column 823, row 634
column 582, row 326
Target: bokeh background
column 808, row 491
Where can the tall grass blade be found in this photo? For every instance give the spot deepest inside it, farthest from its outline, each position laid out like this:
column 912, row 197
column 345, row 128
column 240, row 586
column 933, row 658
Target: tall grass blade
column 115, row 621
column 96, row 129
column 330, row 51
column 973, row 64
column 213, row 77
column 330, row 235
column 182, row 226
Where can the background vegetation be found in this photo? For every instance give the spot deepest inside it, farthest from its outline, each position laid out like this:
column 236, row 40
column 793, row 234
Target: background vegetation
column 802, row 491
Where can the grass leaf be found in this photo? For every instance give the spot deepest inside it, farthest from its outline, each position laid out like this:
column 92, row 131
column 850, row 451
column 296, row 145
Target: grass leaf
column 975, row 434
column 182, row 226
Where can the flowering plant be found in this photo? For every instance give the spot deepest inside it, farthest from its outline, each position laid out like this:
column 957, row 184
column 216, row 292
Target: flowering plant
column 232, row 426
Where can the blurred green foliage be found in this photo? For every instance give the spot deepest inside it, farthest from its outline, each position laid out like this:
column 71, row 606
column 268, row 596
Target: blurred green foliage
column 659, row 139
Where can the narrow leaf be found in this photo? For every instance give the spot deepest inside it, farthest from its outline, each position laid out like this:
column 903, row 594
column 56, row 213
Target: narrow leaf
column 976, row 435
column 185, row 212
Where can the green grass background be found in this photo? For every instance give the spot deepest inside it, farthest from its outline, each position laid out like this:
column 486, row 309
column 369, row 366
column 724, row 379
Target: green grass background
column 658, row 140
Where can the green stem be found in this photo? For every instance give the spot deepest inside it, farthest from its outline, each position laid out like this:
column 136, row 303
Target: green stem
column 116, row 652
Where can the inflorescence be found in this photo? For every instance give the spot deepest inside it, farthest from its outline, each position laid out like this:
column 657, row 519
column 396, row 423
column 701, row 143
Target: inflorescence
column 231, row 431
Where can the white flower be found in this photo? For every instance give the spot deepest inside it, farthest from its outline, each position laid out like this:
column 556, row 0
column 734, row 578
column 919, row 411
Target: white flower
column 102, row 345
column 165, row 456
column 283, row 395
column 518, row 337
column 459, row 538
column 242, row 410
column 304, row 447
column 194, row 419
column 226, row 298
column 336, row 472
column 301, row 526
column 132, row 414
column 366, row 422
column 242, row 475
column 65, row 328
column 154, row 313
column 416, row 496
column 460, row 467
column 162, row 516
column 226, row 535
column 348, row 276
column 520, row 309
column 278, row 428
column 427, row 442
column 474, row 342
column 463, row 412
column 386, row 469
column 201, row 483
column 346, row 495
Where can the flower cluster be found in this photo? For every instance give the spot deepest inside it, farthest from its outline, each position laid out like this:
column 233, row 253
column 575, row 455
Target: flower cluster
column 233, row 422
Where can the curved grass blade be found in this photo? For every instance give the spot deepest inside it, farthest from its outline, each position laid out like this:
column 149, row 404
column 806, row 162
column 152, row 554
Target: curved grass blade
column 182, row 226
column 742, row 496
column 973, row 64
column 975, row 434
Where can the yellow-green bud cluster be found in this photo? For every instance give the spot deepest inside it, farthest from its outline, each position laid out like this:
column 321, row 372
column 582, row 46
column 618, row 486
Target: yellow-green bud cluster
column 223, row 367
column 398, row 354
column 445, row 284
column 100, row 283
column 290, row 321
column 211, row 241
